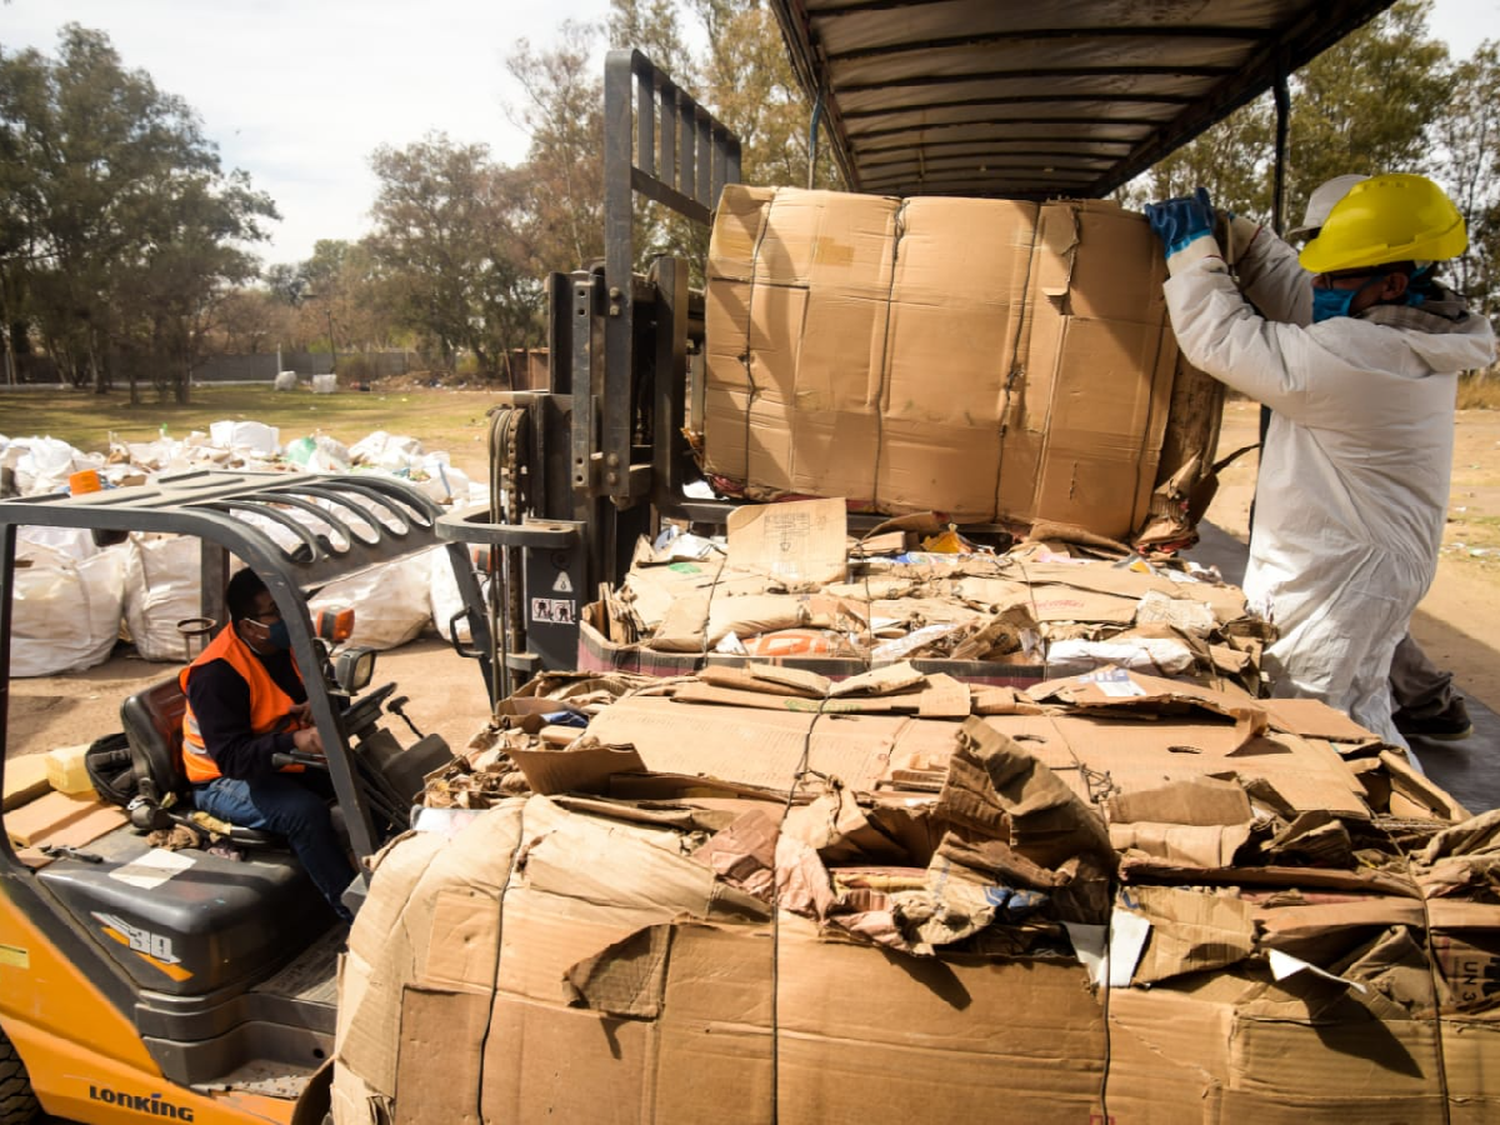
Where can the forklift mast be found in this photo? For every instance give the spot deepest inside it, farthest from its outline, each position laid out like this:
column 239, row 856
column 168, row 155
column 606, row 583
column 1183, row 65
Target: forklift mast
column 580, row 471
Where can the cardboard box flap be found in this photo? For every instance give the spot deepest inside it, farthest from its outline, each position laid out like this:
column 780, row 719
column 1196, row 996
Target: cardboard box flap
column 1196, row 801
column 1207, row 845
column 1291, row 927
column 767, row 679
column 627, row 979
column 1312, row 718
column 1191, row 930
column 760, row 748
column 587, row 769
column 1141, row 869
column 1112, row 687
column 888, row 680
column 802, row 542
column 997, row 788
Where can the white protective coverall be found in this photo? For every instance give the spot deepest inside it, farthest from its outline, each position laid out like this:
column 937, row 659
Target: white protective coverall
column 1354, row 476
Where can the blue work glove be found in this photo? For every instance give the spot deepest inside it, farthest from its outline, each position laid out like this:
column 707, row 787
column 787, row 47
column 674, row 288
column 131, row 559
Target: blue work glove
column 1178, row 222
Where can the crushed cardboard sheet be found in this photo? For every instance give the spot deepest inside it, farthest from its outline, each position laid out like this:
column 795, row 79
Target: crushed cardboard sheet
column 1043, row 604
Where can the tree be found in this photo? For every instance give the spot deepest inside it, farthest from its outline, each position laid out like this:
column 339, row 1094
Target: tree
column 251, row 321
column 451, row 240
column 564, row 113
column 749, row 83
column 1470, row 138
column 1368, row 104
column 119, row 225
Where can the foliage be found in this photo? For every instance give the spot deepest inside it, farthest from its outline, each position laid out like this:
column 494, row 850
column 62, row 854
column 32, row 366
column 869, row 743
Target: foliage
column 120, row 233
column 452, row 237
column 1470, row 136
column 1386, row 99
column 1367, row 105
column 564, row 113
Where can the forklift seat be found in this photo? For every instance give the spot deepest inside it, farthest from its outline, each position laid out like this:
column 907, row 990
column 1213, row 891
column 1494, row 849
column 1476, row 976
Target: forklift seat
column 153, row 728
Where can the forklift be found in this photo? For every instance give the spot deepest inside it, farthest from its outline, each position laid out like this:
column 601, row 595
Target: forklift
column 186, row 985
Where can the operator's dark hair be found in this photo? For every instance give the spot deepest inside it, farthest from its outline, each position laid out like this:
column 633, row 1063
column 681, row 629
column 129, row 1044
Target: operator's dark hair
column 240, row 594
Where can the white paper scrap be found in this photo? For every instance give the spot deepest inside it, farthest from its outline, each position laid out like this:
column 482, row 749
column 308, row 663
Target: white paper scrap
column 1121, row 689
column 1284, row 965
column 1127, row 941
column 1088, row 944
column 152, row 869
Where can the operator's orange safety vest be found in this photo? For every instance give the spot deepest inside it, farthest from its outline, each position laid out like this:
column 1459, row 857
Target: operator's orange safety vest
column 268, row 703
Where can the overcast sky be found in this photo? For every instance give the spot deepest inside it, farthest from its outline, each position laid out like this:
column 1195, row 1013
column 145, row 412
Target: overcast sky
column 300, row 92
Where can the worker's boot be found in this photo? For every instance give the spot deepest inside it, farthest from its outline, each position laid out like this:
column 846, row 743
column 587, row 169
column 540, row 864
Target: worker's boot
column 1448, row 725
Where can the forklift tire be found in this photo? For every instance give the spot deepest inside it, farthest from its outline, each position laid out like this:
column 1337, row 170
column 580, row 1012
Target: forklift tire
column 18, row 1104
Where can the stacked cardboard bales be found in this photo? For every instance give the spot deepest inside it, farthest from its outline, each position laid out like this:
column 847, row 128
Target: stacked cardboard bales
column 772, row 902
column 989, row 359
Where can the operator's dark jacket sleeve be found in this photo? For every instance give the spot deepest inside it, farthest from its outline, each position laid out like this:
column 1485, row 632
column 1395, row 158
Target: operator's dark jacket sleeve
column 221, row 702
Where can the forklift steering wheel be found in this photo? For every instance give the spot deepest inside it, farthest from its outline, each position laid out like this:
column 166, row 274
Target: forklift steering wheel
column 365, row 711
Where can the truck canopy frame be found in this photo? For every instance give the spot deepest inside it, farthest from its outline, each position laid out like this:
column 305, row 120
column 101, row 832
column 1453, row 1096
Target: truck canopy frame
column 1021, row 100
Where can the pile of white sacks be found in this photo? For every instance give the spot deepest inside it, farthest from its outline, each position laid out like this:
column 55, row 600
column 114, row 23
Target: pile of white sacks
column 74, row 600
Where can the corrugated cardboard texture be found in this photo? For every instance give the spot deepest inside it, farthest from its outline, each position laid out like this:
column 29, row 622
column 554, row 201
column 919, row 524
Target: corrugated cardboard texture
column 618, row 960
column 989, row 359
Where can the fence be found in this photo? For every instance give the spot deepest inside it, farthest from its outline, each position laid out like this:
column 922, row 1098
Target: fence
column 527, row 367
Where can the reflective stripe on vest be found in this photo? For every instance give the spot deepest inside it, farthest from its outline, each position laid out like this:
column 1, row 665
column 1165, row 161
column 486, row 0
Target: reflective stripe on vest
column 268, row 703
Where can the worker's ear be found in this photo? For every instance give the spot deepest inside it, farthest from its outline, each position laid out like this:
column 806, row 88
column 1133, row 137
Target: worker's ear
column 1393, row 287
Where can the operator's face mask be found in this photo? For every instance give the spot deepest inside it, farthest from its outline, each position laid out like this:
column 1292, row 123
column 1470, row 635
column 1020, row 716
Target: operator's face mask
column 277, row 634
column 278, row 637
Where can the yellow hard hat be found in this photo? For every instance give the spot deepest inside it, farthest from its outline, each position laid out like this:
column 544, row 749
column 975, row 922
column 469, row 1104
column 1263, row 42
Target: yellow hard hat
column 1397, row 217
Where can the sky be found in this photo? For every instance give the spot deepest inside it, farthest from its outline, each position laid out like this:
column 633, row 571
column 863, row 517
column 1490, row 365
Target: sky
column 299, row 93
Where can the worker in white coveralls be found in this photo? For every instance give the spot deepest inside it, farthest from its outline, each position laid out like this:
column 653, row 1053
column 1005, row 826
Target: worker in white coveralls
column 1354, row 474
column 1425, row 702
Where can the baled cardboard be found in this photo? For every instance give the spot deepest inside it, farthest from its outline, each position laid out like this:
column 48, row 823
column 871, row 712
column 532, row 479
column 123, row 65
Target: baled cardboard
column 989, row 359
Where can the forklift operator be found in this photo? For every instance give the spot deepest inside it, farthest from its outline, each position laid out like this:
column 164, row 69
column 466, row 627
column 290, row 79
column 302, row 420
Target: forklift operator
column 1355, row 470
column 247, row 702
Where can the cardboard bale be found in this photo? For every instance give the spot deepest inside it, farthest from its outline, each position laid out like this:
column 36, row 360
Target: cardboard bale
column 989, row 359
column 783, row 915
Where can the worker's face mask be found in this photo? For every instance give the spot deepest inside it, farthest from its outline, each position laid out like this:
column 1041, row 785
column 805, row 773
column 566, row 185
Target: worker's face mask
column 276, row 634
column 1329, row 303
column 278, row 637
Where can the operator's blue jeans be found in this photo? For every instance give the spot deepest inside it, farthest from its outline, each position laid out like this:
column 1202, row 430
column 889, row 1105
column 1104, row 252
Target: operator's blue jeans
column 287, row 804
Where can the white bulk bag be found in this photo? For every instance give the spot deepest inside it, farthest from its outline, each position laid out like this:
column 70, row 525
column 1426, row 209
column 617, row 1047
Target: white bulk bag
column 446, row 599
column 390, row 452
column 392, row 602
column 163, row 585
column 251, row 437
column 45, row 464
column 66, row 611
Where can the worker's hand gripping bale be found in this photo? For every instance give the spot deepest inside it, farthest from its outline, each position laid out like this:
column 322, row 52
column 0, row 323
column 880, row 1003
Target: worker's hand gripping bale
column 1186, row 228
column 1360, row 366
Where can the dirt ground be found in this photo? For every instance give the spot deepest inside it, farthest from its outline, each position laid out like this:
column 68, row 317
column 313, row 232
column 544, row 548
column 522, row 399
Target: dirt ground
column 1457, row 623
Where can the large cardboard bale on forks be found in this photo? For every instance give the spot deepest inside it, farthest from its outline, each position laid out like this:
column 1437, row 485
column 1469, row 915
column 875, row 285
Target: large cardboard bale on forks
column 989, row 359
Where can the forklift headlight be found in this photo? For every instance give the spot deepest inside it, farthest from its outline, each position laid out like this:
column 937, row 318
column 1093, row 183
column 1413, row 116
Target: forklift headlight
column 354, row 668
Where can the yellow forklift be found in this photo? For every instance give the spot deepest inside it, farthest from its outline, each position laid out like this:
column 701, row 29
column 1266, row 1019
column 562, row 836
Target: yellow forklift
column 136, row 982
